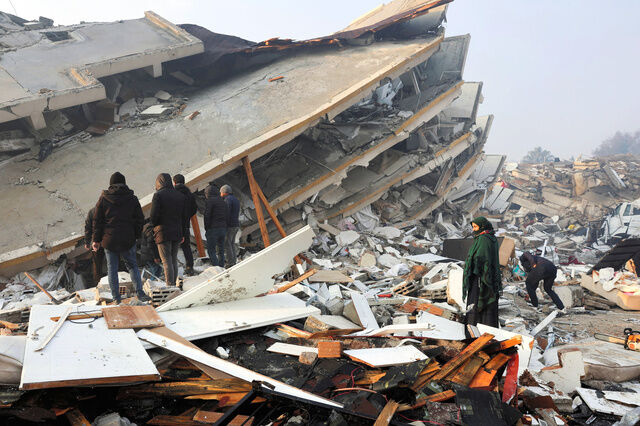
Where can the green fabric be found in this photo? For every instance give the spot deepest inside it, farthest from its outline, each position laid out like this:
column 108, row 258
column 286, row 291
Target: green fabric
column 483, row 261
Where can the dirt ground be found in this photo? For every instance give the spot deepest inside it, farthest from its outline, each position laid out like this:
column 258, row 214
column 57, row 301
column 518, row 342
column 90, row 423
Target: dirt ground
column 578, row 323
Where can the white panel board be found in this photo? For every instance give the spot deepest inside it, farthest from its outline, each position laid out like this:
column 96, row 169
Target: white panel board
column 248, row 278
column 363, row 309
column 200, row 322
column 385, row 357
column 228, row 367
column 440, row 328
column 289, row 349
column 81, row 353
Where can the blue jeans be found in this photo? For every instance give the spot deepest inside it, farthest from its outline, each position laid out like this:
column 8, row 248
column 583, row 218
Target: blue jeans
column 215, row 243
column 113, row 262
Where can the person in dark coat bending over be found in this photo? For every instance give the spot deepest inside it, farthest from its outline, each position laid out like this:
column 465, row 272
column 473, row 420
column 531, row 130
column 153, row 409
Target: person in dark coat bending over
column 215, row 225
column 192, row 208
column 482, row 279
column 117, row 224
column 168, row 212
column 539, row 269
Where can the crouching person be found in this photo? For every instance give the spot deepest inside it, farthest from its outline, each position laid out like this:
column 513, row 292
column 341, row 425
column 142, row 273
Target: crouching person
column 540, row 269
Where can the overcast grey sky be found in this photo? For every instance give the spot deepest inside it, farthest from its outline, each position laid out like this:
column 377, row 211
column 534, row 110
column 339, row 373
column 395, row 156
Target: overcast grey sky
column 557, row 74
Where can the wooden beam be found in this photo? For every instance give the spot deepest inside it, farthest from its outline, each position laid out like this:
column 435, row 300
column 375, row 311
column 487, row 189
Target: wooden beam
column 76, row 418
column 256, row 201
column 296, row 281
column 466, row 353
column 468, row 370
column 181, row 389
column 53, row 299
column 421, row 402
column 196, row 231
column 387, row 413
column 63, row 318
column 485, row 374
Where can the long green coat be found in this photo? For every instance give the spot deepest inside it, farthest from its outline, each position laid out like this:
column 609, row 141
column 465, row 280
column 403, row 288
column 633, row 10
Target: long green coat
column 483, row 261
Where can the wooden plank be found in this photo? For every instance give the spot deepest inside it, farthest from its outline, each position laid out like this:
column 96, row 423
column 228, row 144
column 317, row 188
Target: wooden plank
column 246, row 279
column 370, row 377
column 484, row 376
column 421, row 402
column 85, row 315
column 81, row 354
column 298, row 280
column 256, row 201
column 181, row 389
column 198, row 235
column 76, row 418
column 164, row 420
column 385, row 357
column 329, row 349
column 466, row 353
column 226, row 366
column 213, row 416
column 224, row 399
column 465, row 374
column 211, row 372
column 125, row 316
column 329, row 276
column 387, row 413
column 56, row 328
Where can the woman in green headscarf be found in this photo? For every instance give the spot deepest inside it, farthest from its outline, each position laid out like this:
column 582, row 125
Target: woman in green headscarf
column 482, row 282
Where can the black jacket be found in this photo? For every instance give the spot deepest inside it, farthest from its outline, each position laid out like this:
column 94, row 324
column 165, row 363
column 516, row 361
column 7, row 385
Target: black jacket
column 215, row 212
column 168, row 211
column 118, row 218
column 192, row 208
column 233, row 211
column 88, row 226
column 148, row 248
column 540, row 264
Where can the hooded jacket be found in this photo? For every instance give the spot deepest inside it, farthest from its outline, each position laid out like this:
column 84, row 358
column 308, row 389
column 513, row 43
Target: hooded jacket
column 118, row 218
column 540, row 264
column 190, row 199
column 216, row 211
column 168, row 211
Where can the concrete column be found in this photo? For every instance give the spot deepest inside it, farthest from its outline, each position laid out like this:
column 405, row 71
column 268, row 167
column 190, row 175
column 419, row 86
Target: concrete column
column 37, row 121
column 154, row 70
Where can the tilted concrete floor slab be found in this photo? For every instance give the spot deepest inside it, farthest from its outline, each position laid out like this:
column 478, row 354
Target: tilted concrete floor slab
column 244, row 116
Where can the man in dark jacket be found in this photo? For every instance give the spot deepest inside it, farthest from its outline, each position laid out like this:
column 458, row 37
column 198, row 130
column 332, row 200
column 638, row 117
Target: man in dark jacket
column 538, row 269
column 149, row 252
column 117, row 224
column 192, row 208
column 168, row 212
column 97, row 257
column 233, row 223
column 215, row 224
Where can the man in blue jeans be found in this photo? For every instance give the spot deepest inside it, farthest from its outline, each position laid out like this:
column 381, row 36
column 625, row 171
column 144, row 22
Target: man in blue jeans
column 117, row 223
column 215, row 225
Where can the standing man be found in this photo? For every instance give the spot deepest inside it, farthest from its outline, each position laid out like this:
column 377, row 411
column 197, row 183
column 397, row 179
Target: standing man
column 117, row 224
column 192, row 208
column 539, row 269
column 233, row 223
column 215, row 225
column 97, row 257
column 168, row 211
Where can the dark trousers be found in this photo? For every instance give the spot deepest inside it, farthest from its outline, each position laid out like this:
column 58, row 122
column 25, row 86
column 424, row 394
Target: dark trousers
column 488, row 315
column 215, row 245
column 169, row 254
column 186, row 250
column 230, row 245
column 97, row 260
column 533, row 280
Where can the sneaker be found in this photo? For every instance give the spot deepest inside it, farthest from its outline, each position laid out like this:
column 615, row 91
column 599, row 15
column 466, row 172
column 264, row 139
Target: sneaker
column 144, row 298
column 189, row 271
column 562, row 311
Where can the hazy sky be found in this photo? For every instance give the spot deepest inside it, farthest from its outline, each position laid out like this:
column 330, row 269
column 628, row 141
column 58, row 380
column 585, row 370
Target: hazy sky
column 557, row 74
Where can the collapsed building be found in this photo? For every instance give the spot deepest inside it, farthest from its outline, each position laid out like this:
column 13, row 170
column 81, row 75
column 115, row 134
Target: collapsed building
column 366, row 149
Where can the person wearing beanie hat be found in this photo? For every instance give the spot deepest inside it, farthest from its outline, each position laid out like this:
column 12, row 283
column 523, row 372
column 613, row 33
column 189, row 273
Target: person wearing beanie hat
column 482, row 279
column 169, row 219
column 192, row 209
column 233, row 224
column 117, row 224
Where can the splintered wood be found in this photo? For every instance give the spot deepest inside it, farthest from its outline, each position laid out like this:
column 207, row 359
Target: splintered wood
column 124, row 316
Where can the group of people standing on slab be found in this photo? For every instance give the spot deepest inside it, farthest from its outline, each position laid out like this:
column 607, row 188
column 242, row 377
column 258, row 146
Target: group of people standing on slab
column 116, row 223
column 482, row 279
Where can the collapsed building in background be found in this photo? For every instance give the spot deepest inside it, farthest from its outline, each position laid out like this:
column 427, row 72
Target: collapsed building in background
column 377, row 114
